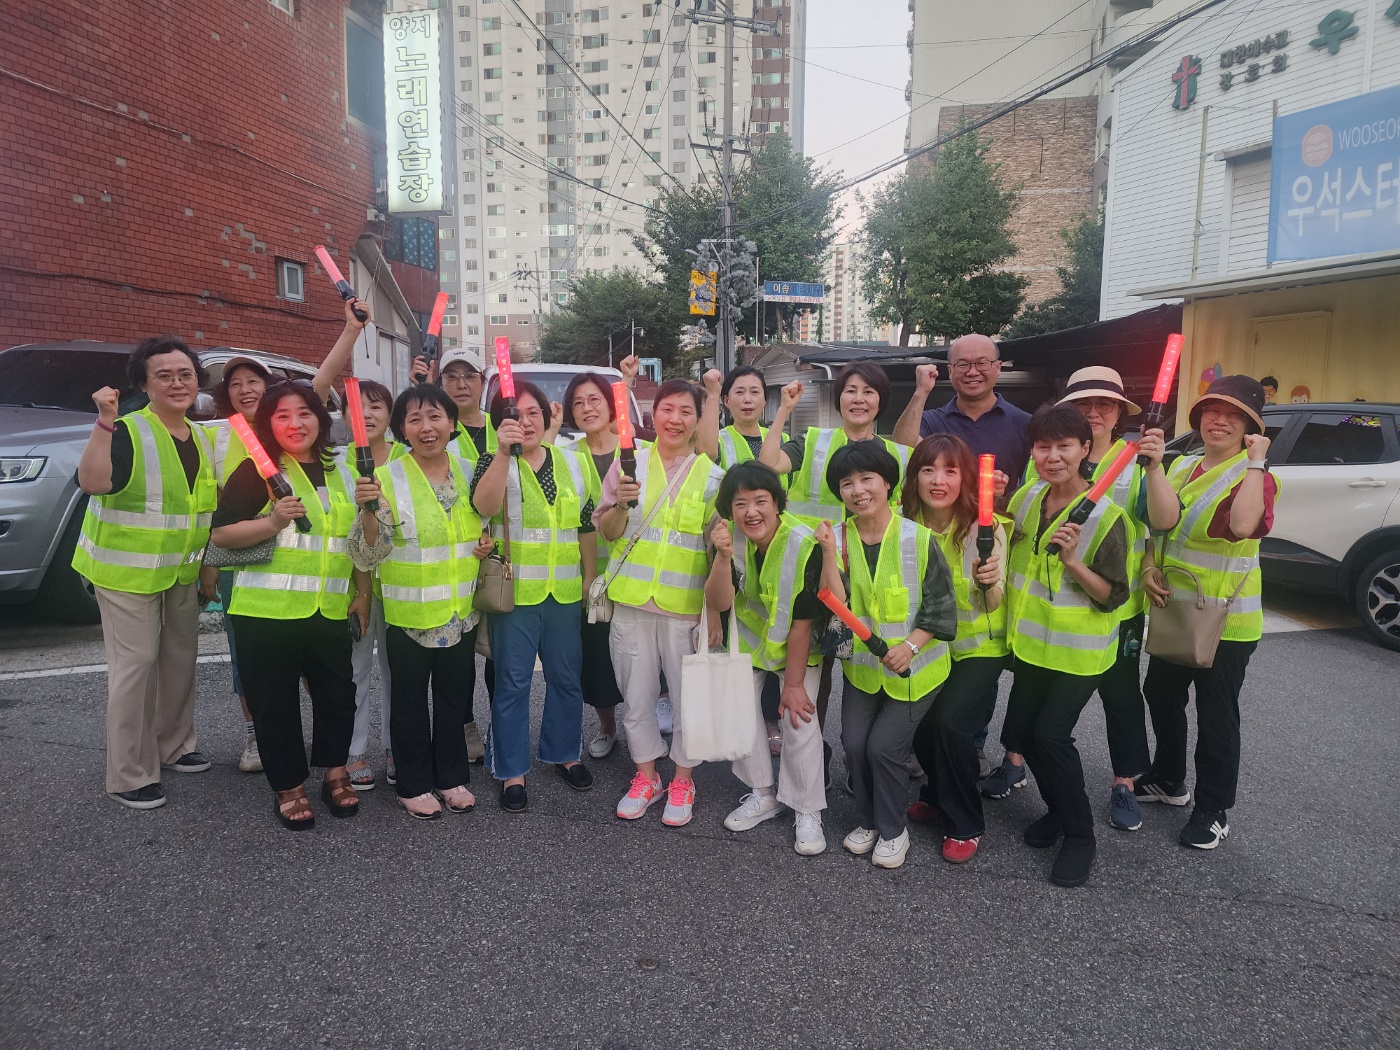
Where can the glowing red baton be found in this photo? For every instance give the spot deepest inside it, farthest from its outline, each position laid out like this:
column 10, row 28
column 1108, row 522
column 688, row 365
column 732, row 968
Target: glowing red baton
column 432, row 339
column 871, row 641
column 1162, row 392
column 276, row 480
column 341, row 284
column 364, row 458
column 1080, row 514
column 507, row 379
column 627, row 458
column 986, row 497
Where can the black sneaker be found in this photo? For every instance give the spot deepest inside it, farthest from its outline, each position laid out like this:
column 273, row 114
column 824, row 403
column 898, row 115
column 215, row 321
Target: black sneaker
column 1043, row 833
column 149, row 797
column 576, row 776
column 1149, row 789
column 1076, row 860
column 191, row 762
column 514, row 799
column 1205, row 830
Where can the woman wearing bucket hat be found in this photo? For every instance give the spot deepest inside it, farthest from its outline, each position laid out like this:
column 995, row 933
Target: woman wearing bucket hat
column 1228, row 498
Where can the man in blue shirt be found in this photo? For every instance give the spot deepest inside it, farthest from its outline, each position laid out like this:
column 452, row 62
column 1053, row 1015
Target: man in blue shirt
column 977, row 414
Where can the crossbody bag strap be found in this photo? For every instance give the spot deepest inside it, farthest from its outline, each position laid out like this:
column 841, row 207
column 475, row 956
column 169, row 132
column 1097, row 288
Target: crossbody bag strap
column 671, row 490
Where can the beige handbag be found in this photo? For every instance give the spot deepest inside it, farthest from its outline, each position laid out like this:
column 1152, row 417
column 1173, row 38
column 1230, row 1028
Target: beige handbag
column 1186, row 632
column 495, row 580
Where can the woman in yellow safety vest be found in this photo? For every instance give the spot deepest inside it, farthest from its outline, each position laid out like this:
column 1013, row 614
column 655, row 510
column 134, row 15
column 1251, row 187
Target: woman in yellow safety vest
column 425, row 540
column 742, row 392
column 940, row 493
column 239, row 390
column 657, row 571
column 1063, row 628
column 1228, row 495
column 552, row 549
column 293, row 611
column 151, row 478
column 901, row 589
column 589, row 407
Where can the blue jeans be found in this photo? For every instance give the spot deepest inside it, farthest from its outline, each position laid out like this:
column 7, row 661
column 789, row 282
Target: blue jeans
column 551, row 631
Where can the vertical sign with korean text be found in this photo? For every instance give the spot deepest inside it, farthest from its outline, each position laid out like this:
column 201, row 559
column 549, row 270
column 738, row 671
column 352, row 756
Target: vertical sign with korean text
column 1335, row 184
column 413, row 111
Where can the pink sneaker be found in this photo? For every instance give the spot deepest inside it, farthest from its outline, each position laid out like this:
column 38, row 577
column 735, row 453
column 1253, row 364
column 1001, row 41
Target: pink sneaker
column 640, row 797
column 680, row 802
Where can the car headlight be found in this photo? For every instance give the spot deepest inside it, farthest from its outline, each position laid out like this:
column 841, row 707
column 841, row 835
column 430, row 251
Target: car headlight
column 26, row 469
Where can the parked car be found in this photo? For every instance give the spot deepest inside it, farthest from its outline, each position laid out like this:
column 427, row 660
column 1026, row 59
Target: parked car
column 554, row 380
column 1337, row 521
column 46, row 415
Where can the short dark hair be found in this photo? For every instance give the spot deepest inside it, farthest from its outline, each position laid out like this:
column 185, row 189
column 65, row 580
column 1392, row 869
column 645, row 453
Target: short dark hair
column 752, row 476
column 377, row 391
column 222, row 402
column 498, row 403
column 859, row 457
column 419, row 394
column 1057, row 423
column 1269, row 381
column 267, row 407
column 672, row 387
column 604, row 388
column 160, row 344
column 738, row 374
column 869, row 371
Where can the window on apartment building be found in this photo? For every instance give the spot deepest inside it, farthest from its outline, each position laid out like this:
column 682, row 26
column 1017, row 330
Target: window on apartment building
column 650, row 9
column 492, row 73
column 499, row 297
column 703, row 84
column 599, row 252
column 283, row 5
column 473, row 329
column 651, row 133
column 471, row 308
column 651, row 61
column 653, row 180
column 595, row 136
column 678, row 167
column 496, row 253
column 706, row 58
column 596, row 229
column 596, row 160
column 591, row 42
column 600, row 66
column 495, row 231
column 551, row 18
column 655, row 155
column 678, row 120
column 495, row 275
column 490, row 23
column 598, row 89
column 447, row 233
column 465, row 61
column 449, row 319
column 678, row 143
column 495, row 209
column 651, row 36
column 364, row 74
column 767, row 78
column 469, row 264
column 494, row 118
column 594, row 14
column 491, row 49
column 497, row 319
column 291, row 280
column 464, row 36
column 678, row 96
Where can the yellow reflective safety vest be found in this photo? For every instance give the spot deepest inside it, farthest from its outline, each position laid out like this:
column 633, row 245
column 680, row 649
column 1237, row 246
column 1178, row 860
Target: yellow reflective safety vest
column 734, row 447
column 430, row 575
column 464, row 446
column 309, row 572
column 979, row 633
column 808, row 495
column 228, row 450
column 1218, row 564
column 593, row 489
column 765, row 595
column 544, row 549
column 668, row 564
column 151, row 535
column 887, row 603
column 1052, row 621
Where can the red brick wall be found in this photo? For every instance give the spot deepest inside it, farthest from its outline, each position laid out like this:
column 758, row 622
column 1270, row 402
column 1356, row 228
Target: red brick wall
column 1047, row 148
column 167, row 155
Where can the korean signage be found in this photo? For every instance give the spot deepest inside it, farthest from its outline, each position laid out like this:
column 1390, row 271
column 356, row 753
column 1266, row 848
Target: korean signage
column 792, row 292
column 413, row 111
column 1335, row 186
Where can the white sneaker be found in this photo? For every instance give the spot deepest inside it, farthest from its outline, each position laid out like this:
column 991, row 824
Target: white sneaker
column 601, row 746
column 664, row 716
column 251, row 760
column 861, row 841
column 809, row 841
column 753, row 810
column 890, row 853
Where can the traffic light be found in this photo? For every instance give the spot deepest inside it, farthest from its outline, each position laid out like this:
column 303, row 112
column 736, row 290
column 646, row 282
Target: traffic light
column 703, row 288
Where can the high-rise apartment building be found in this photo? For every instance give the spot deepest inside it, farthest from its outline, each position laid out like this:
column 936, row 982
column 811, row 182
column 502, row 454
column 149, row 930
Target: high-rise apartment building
column 571, row 117
column 848, row 317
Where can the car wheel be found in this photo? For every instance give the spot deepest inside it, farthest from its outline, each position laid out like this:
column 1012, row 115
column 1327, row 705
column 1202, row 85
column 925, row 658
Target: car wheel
column 65, row 595
column 1378, row 599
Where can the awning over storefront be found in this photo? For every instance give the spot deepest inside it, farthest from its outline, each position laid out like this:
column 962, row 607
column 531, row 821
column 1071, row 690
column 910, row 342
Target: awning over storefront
column 1353, row 268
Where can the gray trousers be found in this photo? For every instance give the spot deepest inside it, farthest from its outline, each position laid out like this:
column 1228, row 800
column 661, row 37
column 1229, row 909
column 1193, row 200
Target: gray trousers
column 877, row 732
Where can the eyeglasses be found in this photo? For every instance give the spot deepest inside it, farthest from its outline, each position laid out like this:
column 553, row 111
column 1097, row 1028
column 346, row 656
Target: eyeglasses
column 981, row 365
column 175, row 378
column 588, row 402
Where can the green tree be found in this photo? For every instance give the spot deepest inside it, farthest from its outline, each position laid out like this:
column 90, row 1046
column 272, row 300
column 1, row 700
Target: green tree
column 603, row 301
column 936, row 241
column 1081, row 280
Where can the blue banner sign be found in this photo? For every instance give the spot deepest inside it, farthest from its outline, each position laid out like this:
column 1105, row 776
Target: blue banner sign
column 792, row 292
column 1335, row 183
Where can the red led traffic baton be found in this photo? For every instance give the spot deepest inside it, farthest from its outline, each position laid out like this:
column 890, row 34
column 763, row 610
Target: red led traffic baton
column 276, row 480
column 341, row 284
column 986, row 498
column 1080, row 514
column 432, row 338
column 364, row 458
column 871, row 641
column 1162, row 392
column 507, row 377
column 627, row 457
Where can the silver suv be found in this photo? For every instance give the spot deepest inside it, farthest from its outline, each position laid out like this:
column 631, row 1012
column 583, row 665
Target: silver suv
column 46, row 415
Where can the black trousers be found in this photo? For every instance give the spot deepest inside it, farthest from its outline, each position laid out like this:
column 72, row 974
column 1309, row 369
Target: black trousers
column 277, row 655
column 598, row 678
column 1125, row 717
column 1217, row 721
column 945, row 743
column 426, row 759
column 489, row 674
column 1041, row 716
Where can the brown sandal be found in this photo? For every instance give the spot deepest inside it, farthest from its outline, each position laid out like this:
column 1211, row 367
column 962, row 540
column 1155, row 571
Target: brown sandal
column 290, row 810
column 340, row 797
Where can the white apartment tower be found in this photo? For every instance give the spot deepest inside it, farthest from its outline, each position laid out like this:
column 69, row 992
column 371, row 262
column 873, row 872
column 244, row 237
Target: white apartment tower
column 570, row 117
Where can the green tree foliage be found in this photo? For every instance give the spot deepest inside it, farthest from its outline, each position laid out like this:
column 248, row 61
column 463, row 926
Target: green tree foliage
column 601, row 301
column 1077, row 302
column 935, row 241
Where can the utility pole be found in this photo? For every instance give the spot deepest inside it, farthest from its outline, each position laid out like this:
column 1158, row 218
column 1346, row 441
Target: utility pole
column 522, row 275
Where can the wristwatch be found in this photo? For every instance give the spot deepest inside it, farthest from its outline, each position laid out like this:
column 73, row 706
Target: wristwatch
column 1256, row 464
column 913, row 649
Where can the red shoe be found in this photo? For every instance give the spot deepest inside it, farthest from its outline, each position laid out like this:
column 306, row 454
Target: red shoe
column 960, row 851
column 920, row 812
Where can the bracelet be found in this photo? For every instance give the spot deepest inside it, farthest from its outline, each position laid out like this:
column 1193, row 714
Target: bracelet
column 1256, row 464
column 106, row 426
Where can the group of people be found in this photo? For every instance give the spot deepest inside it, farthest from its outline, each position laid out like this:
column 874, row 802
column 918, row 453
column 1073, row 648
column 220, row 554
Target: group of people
column 468, row 510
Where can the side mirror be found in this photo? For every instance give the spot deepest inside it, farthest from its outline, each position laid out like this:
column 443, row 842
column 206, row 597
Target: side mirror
column 203, row 408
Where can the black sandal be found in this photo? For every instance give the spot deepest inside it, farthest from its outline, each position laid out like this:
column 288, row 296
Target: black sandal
column 340, row 796
column 285, row 809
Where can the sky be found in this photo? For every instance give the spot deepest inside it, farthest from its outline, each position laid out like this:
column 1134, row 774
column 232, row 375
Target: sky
column 857, row 67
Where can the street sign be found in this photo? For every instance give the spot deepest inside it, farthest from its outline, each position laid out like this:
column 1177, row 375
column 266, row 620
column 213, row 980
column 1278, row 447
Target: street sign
column 793, row 292
column 703, row 286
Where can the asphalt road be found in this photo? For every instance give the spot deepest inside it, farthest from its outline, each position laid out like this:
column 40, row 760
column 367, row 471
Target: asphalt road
column 203, row 924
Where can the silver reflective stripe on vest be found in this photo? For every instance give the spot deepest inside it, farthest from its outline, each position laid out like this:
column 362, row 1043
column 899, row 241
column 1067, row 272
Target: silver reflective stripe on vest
column 1067, row 639
column 408, row 526
column 1025, row 507
column 726, row 447
column 780, row 616
column 285, row 581
column 132, row 560
column 1244, row 604
column 1089, row 529
column 150, row 454
column 1215, row 562
column 909, row 580
column 221, row 443
column 821, row 450
column 136, row 519
column 433, row 555
column 1072, row 598
column 290, row 539
column 537, row 535
column 442, row 593
column 1203, row 503
column 541, row 572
